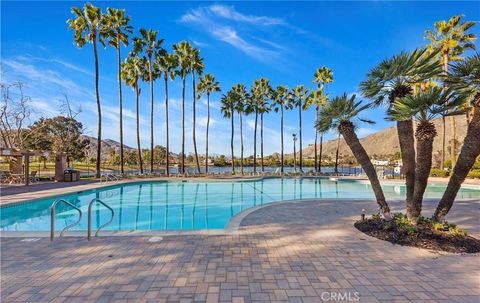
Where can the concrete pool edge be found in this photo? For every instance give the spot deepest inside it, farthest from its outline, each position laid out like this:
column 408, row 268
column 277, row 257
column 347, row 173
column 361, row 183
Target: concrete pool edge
column 58, row 192
column 231, row 228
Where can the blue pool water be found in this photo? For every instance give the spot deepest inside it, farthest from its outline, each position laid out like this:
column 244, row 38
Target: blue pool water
column 190, row 205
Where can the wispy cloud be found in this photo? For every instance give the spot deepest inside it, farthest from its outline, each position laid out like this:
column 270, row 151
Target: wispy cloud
column 229, row 12
column 222, row 23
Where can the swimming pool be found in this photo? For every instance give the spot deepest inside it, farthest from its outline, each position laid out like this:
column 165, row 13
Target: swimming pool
column 161, row 205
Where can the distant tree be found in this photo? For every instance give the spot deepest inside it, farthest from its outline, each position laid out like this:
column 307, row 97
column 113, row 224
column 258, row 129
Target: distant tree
column 59, row 134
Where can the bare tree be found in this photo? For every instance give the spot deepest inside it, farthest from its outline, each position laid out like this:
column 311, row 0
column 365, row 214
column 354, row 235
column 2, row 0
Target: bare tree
column 14, row 115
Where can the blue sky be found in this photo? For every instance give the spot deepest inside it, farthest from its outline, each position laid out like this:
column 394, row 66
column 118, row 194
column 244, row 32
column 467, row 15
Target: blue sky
column 240, row 42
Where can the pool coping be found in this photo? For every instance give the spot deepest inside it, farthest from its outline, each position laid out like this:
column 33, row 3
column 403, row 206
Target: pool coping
column 231, row 228
column 57, row 192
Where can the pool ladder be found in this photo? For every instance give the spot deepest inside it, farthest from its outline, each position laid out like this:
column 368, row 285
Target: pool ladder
column 89, row 231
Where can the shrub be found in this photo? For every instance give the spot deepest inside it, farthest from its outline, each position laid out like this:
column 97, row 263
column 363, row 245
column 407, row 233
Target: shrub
column 457, row 231
column 438, row 226
column 411, row 230
column 401, row 219
column 376, row 216
column 474, row 174
column 436, row 172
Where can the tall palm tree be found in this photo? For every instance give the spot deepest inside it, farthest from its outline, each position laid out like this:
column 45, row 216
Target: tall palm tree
column 149, row 44
column 133, row 68
column 241, row 97
column 228, row 109
column 207, row 85
column 465, row 79
column 338, row 114
column 452, row 39
column 87, row 27
column 116, row 30
column 183, row 52
column 196, row 65
column 299, row 95
column 323, row 75
column 260, row 94
column 424, row 107
column 280, row 100
column 394, row 78
column 166, row 64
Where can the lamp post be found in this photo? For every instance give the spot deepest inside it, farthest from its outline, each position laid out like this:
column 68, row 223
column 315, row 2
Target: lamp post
column 294, row 152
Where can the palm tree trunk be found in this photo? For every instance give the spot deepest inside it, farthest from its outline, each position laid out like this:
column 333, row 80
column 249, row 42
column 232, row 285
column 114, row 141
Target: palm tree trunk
column 99, row 111
column 453, row 150
column 315, row 144
column 468, row 154
column 424, row 134
column 167, row 156
column 336, row 154
column 241, row 141
column 151, row 113
column 231, row 142
column 362, row 157
column 281, row 138
column 206, row 139
column 320, row 154
column 194, row 123
column 300, row 158
column 442, row 163
column 120, row 104
column 261, row 141
column 139, row 149
column 182, row 167
column 255, row 144
column 407, row 150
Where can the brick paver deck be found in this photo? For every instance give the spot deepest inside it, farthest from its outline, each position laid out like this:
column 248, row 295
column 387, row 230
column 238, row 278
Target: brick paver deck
column 293, row 252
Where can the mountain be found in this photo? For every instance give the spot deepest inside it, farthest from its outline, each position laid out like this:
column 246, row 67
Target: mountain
column 385, row 142
column 107, row 144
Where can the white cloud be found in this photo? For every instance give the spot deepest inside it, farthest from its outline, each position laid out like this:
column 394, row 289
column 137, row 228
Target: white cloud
column 212, row 18
column 229, row 12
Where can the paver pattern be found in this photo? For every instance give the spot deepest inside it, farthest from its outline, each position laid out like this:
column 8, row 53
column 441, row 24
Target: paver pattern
column 292, row 252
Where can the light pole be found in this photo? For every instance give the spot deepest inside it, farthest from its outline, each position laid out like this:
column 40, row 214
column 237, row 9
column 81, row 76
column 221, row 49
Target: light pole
column 294, row 152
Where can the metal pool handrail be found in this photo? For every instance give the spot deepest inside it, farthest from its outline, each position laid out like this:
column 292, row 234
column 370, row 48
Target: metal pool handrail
column 89, row 233
column 52, row 218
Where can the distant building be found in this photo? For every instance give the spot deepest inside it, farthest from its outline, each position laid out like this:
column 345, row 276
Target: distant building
column 380, row 162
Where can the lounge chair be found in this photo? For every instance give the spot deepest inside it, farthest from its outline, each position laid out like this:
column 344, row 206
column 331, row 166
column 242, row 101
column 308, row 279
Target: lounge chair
column 33, row 176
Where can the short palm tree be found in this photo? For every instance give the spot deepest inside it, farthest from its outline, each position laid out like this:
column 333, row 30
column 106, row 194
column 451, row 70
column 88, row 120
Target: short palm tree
column 166, row 64
column 196, row 66
column 207, row 85
column 299, row 95
column 395, row 78
column 322, row 77
column 424, row 107
column 149, row 44
column 241, row 97
column 133, row 68
column 465, row 79
column 452, row 39
column 87, row 27
column 280, row 99
column 228, row 110
column 339, row 114
column 116, row 30
column 183, row 52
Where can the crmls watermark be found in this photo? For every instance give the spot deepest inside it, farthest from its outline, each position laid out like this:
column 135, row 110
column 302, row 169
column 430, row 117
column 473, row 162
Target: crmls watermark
column 333, row 296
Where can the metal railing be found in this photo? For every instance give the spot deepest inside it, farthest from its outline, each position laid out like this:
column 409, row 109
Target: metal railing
column 52, row 218
column 89, row 232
